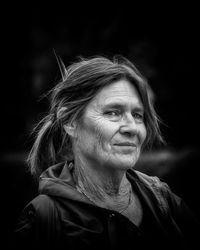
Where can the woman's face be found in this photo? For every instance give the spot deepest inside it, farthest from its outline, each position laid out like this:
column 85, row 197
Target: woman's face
column 112, row 130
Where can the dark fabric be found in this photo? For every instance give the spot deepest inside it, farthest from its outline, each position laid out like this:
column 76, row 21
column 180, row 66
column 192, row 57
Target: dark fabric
column 62, row 218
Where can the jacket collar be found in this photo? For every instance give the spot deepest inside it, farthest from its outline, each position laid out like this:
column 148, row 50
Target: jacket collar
column 57, row 181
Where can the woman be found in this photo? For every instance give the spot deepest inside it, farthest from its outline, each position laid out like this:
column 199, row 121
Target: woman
column 101, row 119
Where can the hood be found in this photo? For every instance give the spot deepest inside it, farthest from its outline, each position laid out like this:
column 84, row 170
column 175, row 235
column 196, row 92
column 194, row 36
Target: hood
column 57, row 181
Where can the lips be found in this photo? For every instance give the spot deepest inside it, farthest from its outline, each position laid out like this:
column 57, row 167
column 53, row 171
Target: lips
column 125, row 144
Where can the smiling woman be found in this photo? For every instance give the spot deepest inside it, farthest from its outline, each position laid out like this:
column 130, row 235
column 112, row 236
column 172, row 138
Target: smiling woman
column 100, row 120
column 109, row 137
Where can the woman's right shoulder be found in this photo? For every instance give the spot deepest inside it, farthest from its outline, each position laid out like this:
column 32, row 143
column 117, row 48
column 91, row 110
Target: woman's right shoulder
column 40, row 207
column 38, row 223
column 40, row 213
column 41, row 201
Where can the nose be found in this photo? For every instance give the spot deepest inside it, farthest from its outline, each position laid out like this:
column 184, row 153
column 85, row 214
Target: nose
column 129, row 126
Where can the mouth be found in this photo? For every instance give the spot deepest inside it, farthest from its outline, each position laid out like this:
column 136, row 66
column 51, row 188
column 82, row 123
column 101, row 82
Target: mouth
column 125, row 144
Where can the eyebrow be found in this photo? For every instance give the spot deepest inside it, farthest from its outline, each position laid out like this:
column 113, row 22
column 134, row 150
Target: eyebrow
column 137, row 108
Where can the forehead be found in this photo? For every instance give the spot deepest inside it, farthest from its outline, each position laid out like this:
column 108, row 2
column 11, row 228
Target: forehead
column 121, row 91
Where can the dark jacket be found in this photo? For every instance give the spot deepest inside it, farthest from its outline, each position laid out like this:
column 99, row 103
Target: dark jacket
column 62, row 218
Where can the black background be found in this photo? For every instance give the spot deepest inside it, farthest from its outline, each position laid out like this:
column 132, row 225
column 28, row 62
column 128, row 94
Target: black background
column 163, row 42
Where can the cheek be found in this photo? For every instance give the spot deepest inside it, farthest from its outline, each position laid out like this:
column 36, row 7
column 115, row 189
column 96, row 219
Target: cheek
column 100, row 134
column 92, row 134
column 142, row 134
column 104, row 132
column 99, row 137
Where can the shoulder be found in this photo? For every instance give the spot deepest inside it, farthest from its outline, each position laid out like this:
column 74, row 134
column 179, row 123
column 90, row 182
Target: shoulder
column 40, row 210
column 39, row 215
column 41, row 202
column 38, row 224
column 149, row 181
column 165, row 197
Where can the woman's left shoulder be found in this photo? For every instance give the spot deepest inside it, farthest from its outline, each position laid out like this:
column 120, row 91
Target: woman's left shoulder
column 158, row 188
column 148, row 180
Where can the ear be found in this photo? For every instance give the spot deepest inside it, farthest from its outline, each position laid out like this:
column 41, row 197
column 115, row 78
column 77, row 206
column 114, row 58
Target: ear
column 70, row 129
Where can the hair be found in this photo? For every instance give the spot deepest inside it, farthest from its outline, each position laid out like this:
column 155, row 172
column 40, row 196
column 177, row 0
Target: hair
column 80, row 83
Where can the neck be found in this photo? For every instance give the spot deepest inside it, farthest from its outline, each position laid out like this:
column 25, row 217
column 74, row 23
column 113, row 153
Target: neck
column 104, row 187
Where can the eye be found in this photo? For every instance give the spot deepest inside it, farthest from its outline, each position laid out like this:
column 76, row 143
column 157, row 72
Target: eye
column 112, row 113
column 138, row 116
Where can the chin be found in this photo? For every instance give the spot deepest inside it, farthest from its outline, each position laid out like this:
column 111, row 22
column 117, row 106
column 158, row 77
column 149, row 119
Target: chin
column 120, row 161
column 124, row 164
column 127, row 162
